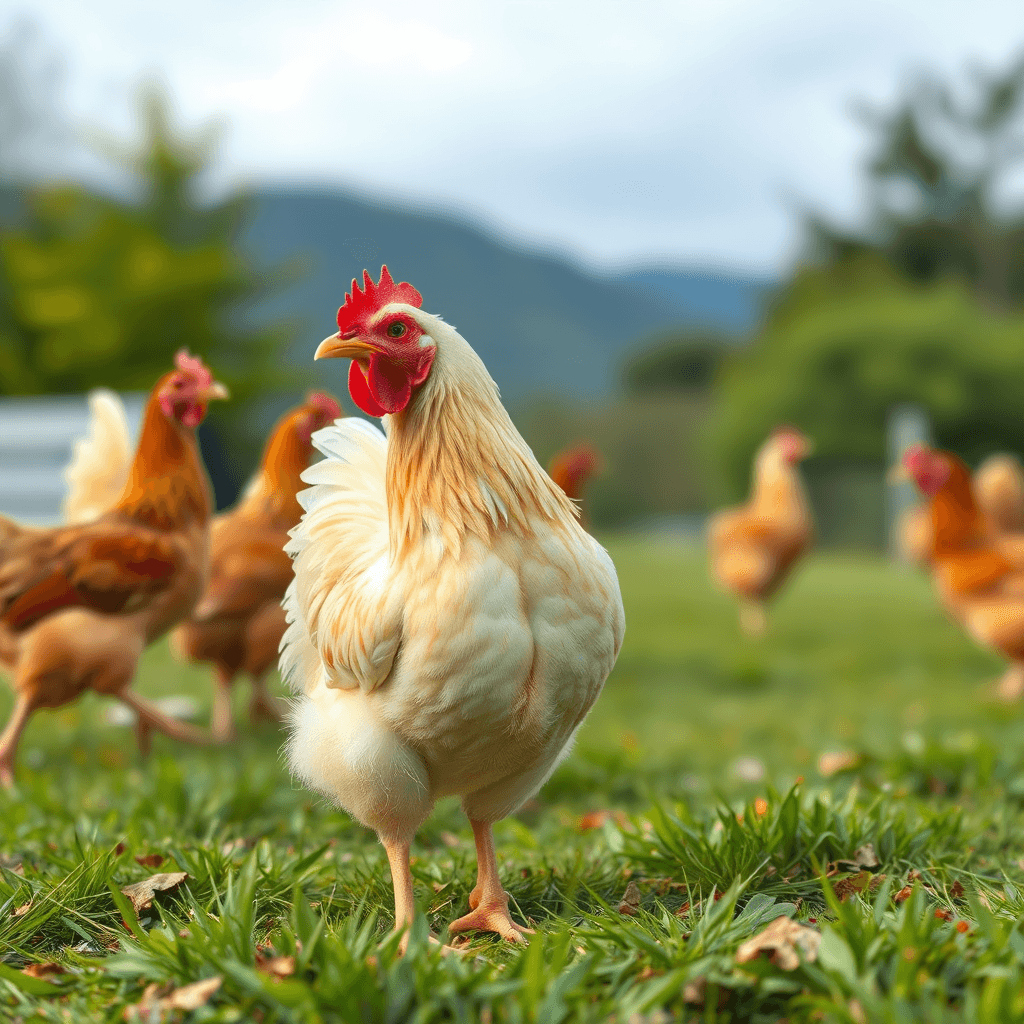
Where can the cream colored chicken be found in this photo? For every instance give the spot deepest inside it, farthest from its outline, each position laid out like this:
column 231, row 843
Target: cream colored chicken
column 451, row 624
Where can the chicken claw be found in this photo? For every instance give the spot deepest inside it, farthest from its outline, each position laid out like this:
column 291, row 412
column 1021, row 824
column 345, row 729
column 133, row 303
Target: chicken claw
column 488, row 901
column 492, row 916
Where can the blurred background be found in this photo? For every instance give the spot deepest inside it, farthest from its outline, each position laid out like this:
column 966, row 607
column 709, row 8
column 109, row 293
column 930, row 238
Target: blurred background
column 664, row 235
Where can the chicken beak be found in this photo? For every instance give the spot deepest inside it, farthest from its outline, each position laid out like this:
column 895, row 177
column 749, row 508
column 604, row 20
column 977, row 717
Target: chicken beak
column 215, row 390
column 339, row 347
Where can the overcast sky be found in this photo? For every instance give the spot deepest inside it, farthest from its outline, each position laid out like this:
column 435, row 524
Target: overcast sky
column 622, row 133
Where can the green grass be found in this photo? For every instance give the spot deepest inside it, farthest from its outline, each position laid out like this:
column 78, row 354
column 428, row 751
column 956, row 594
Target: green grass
column 858, row 660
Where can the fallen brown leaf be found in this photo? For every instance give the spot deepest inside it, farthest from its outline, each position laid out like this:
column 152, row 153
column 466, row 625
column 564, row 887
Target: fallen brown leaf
column 191, row 997
column 785, row 941
column 903, row 894
column 863, row 881
column 956, row 890
column 275, row 966
column 46, row 971
column 834, row 761
column 595, row 819
column 150, row 860
column 943, row 915
column 863, row 857
column 141, row 893
column 631, row 900
column 23, row 909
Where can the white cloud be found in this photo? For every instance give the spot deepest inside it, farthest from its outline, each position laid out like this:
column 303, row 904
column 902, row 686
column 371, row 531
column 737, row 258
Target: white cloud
column 679, row 130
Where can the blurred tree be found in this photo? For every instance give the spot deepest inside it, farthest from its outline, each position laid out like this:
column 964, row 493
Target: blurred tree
column 675, row 361
column 103, row 292
column 941, row 168
column 843, row 345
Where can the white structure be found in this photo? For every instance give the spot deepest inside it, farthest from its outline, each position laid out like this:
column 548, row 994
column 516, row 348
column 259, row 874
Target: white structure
column 908, row 424
column 36, row 437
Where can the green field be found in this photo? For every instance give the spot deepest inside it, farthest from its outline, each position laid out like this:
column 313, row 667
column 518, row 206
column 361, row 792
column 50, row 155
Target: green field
column 705, row 746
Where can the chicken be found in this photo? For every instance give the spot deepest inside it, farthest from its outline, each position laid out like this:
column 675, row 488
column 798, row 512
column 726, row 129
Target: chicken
column 79, row 603
column 572, row 469
column 238, row 624
column 450, row 622
column 978, row 576
column 753, row 547
column 998, row 489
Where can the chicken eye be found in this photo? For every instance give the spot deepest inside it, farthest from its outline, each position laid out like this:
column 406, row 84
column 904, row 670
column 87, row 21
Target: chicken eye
column 396, row 330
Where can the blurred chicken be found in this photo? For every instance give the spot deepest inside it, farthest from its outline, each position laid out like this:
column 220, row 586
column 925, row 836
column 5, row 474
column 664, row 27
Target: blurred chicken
column 79, row 603
column 998, row 489
column 753, row 547
column 572, row 470
column 238, row 624
column 978, row 577
column 451, row 624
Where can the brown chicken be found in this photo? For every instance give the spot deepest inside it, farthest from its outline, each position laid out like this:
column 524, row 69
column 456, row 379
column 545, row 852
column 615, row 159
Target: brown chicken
column 572, row 470
column 978, row 576
column 753, row 547
column 998, row 488
column 79, row 604
column 238, row 624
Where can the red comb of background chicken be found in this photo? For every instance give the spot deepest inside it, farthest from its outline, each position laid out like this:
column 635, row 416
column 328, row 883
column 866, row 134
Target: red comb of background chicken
column 194, row 367
column 323, row 405
column 361, row 304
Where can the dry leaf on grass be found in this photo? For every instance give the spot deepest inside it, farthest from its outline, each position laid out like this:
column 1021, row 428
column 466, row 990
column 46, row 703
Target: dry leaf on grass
column 268, row 962
column 595, row 819
column 141, row 893
column 863, row 857
column 785, row 941
column 191, row 997
column 631, row 900
column 47, row 971
column 159, row 998
column 150, row 860
column 23, row 909
column 833, row 761
column 861, row 882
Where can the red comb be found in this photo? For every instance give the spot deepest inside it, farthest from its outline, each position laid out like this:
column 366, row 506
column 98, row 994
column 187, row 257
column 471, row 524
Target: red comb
column 194, row 367
column 361, row 304
column 324, row 405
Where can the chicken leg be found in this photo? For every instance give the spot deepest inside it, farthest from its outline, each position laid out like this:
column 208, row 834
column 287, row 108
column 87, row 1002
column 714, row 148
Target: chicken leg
column 23, row 708
column 401, row 882
column 488, row 901
column 263, row 705
column 222, row 724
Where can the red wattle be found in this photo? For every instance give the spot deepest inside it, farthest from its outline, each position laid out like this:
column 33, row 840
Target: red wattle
column 385, row 388
column 360, row 392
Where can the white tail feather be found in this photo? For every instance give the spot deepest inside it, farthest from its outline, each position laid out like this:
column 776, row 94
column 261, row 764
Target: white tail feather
column 100, row 461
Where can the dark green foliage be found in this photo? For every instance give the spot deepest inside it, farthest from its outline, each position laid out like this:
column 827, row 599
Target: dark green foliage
column 675, row 362
column 841, row 348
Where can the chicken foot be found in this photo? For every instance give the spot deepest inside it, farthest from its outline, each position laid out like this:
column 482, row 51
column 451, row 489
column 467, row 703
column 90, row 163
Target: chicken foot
column 150, row 717
column 23, row 708
column 488, row 901
column 263, row 705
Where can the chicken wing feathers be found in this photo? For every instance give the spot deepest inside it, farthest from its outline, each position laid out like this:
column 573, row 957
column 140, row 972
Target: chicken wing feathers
column 339, row 606
column 108, row 566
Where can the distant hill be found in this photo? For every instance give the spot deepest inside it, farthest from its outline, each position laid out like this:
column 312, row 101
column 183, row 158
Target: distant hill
column 540, row 323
